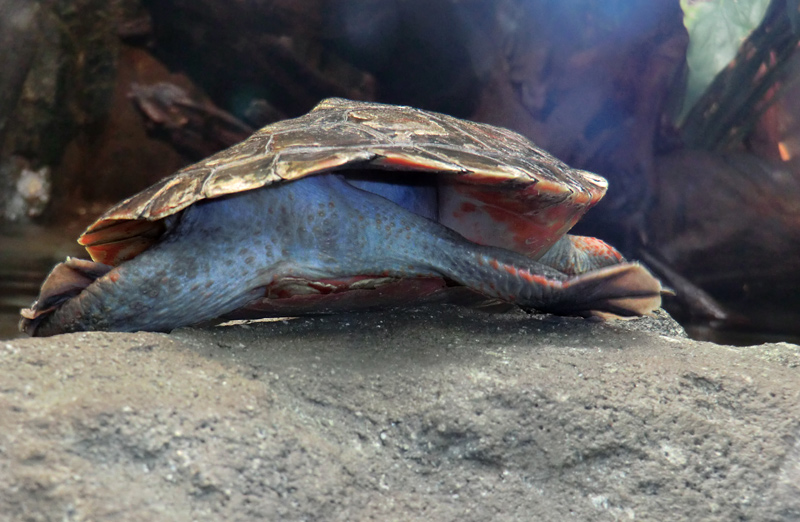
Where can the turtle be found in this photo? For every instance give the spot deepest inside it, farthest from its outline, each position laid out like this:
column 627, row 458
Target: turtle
column 352, row 203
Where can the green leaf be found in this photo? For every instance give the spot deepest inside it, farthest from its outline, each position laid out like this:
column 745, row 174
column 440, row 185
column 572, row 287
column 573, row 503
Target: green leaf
column 716, row 30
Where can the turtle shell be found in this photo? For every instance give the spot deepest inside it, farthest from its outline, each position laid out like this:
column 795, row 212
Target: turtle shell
column 495, row 186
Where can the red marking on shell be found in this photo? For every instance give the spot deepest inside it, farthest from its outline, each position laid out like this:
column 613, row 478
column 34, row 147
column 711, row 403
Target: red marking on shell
column 119, row 240
column 390, row 293
column 345, row 282
column 495, row 264
column 406, row 162
column 518, row 218
column 114, row 276
column 115, row 253
column 468, row 207
column 511, row 270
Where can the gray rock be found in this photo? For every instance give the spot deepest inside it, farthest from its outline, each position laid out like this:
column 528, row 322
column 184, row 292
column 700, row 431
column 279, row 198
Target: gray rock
column 437, row 413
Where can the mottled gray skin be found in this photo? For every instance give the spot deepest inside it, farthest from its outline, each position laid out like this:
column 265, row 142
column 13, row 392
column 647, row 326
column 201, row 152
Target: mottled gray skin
column 219, row 255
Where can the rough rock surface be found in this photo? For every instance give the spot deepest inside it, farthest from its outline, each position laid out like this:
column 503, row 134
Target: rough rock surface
column 437, row 413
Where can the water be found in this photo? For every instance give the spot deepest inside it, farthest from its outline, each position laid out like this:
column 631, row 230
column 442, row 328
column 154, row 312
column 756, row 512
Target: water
column 27, row 253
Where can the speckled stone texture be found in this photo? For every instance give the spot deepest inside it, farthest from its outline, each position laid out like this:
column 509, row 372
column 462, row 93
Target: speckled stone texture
column 437, row 413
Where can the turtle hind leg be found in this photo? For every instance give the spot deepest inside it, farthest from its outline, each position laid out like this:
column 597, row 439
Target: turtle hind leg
column 65, row 281
column 385, row 238
column 610, row 286
column 575, row 255
column 616, row 291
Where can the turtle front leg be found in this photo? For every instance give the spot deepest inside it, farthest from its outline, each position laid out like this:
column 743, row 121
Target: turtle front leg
column 157, row 291
column 217, row 257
